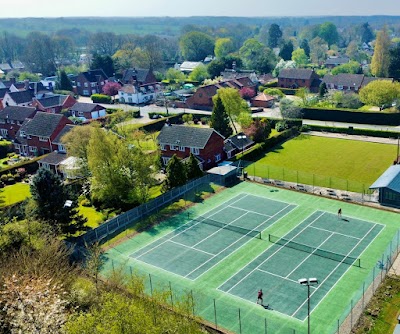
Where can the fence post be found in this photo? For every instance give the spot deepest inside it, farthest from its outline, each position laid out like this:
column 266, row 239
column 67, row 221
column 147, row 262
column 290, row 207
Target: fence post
column 240, row 323
column 363, row 295
column 297, row 177
column 191, row 295
column 130, row 268
column 283, row 173
column 373, row 281
column 215, row 315
column 313, row 176
column 338, row 326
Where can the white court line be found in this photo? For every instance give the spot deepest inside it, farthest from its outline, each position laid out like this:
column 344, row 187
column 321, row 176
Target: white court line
column 281, row 277
column 267, row 257
column 199, row 222
column 345, row 235
column 312, row 253
column 219, row 229
column 270, row 199
column 233, row 244
column 332, row 271
column 191, row 247
column 248, row 211
column 350, row 266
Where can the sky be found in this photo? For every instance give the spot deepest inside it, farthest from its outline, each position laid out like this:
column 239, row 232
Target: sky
column 45, row 8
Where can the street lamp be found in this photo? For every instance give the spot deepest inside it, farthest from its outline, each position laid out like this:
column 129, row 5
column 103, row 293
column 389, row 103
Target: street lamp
column 309, row 282
column 242, row 139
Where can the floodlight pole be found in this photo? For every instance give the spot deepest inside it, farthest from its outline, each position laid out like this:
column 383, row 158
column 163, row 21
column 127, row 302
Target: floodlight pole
column 242, row 138
column 309, row 282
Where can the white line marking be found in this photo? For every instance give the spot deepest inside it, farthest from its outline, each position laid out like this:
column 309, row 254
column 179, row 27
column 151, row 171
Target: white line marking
column 248, row 211
column 191, row 247
column 271, row 254
column 345, row 235
column 282, row 277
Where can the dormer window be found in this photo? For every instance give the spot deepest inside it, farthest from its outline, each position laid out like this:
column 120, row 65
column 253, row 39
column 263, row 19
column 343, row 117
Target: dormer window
column 23, row 134
column 61, row 148
column 43, row 138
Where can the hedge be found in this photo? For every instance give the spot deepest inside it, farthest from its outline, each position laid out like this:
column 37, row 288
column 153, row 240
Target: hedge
column 30, row 166
column 352, row 116
column 288, row 91
column 101, row 98
column 352, row 131
column 158, row 124
column 258, row 150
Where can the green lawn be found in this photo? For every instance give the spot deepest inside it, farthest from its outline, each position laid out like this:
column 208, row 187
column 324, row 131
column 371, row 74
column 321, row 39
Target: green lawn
column 15, row 193
column 327, row 162
column 94, row 217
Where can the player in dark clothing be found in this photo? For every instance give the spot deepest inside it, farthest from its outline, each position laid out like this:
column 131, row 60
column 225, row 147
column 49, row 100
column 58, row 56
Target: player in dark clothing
column 339, row 213
column 260, row 296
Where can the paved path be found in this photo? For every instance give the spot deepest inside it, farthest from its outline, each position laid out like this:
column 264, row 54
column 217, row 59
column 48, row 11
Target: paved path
column 354, row 137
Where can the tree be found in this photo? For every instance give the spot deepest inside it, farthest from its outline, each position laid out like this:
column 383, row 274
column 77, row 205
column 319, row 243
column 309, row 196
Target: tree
column 223, row 47
column 176, row 173
column 394, row 65
column 199, row 73
column 219, row 118
column 328, row 32
column 28, row 76
column 39, row 53
column 299, row 57
column 104, row 43
column 105, row 63
column 111, row 88
column 318, row 50
column 187, row 118
column 381, row 59
column 62, row 47
column 274, row 35
column 174, row 75
column 50, row 197
column 352, row 67
column 304, row 45
column 259, row 130
column 257, row 56
column 282, row 65
column 323, row 90
column 366, row 33
column 196, row 46
column 65, row 83
column 380, row 93
column 247, row 93
column 218, row 65
column 193, row 170
column 286, row 50
column 290, row 110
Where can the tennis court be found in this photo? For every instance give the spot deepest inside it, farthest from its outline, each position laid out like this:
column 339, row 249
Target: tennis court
column 323, row 246
column 204, row 241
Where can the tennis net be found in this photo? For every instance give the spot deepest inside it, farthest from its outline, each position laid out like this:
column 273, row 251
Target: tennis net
column 315, row 251
column 234, row 228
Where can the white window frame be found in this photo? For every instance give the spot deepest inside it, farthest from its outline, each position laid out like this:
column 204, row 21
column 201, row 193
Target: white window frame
column 42, row 138
column 92, row 84
column 85, row 92
column 32, row 149
column 78, row 84
column 85, row 84
column 45, row 165
column 165, row 160
column 218, row 157
column 2, row 121
column 340, row 87
column 61, row 148
column 22, row 134
column 4, row 132
column 195, row 150
column 173, row 147
column 182, row 148
column 162, row 147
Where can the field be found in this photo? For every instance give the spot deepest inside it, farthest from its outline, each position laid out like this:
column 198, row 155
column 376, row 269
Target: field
column 253, row 236
column 15, row 193
column 318, row 159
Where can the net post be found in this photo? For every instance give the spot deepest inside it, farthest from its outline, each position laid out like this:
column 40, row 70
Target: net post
column 240, row 323
column 265, row 325
column 363, row 296
column 215, row 315
column 338, row 326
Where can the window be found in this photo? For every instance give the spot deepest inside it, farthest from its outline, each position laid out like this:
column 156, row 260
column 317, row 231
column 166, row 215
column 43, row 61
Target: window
column 182, row 148
column 218, row 157
column 173, row 147
column 340, row 87
column 28, row 137
column 85, row 92
column 80, row 113
column 45, row 165
column 61, row 148
column 165, row 160
column 92, row 84
column 86, row 84
column 4, row 132
column 162, row 147
column 94, row 91
column 78, row 84
column 12, row 122
column 102, row 83
column 23, row 134
column 17, row 147
column 32, row 148
column 42, row 138
column 194, row 150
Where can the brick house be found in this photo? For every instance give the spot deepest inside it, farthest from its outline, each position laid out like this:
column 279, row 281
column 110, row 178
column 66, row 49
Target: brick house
column 205, row 143
column 138, row 95
column 202, row 98
column 12, row 118
column 349, row 82
column 36, row 135
column 57, row 144
column 334, row 61
column 53, row 103
column 90, row 82
column 262, row 101
column 138, row 76
column 87, row 111
column 298, row 78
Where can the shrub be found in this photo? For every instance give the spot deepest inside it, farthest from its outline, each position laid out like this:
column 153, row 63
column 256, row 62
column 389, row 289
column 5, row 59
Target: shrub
column 85, row 202
column 100, row 98
column 204, row 120
column 4, row 178
column 281, row 126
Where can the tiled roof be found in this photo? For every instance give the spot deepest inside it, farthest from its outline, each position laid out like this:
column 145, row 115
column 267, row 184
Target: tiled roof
column 3, row 92
column 338, row 60
column 138, row 74
column 296, row 73
column 84, row 107
column 23, row 96
column 43, row 124
column 389, row 179
column 263, row 97
column 63, row 132
column 53, row 158
column 17, row 113
column 52, row 101
column 186, row 136
column 92, row 75
column 5, row 67
column 128, row 89
column 350, row 80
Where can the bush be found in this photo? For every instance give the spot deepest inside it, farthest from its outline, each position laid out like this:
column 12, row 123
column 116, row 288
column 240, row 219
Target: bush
column 85, row 202
column 100, row 98
column 204, row 120
column 281, row 126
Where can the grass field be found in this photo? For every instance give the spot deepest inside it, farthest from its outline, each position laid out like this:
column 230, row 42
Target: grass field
column 361, row 163
column 216, row 289
column 15, row 193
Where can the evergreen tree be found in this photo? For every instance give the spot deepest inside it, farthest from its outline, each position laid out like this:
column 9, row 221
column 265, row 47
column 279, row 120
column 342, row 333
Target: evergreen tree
column 304, row 45
column 381, row 59
column 176, row 173
column 366, row 33
column 104, row 63
column 286, row 51
column 50, row 196
column 323, row 90
column 65, row 83
column 394, row 66
column 220, row 119
column 274, row 35
column 193, row 170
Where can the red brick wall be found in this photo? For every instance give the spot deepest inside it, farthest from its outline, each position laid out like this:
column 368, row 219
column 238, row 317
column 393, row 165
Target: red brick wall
column 288, row 83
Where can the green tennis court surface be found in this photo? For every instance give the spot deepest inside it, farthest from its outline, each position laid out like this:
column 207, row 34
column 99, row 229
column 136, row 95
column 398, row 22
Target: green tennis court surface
column 203, row 242
column 323, row 246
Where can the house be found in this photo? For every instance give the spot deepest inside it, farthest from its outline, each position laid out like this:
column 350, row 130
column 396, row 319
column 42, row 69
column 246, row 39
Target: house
column 57, row 144
column 3, row 92
column 298, row 78
column 60, row 164
column 90, row 82
column 138, row 95
column 334, row 61
column 36, row 135
column 87, row 111
column 53, row 103
column 11, row 119
column 388, row 186
column 5, row 67
column 22, row 98
column 138, row 77
column 189, row 66
column 262, row 101
column 205, row 143
column 202, row 98
column 348, row 82
column 236, row 144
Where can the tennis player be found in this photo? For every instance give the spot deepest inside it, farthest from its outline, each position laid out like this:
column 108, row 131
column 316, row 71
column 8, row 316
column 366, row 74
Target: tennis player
column 260, row 296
